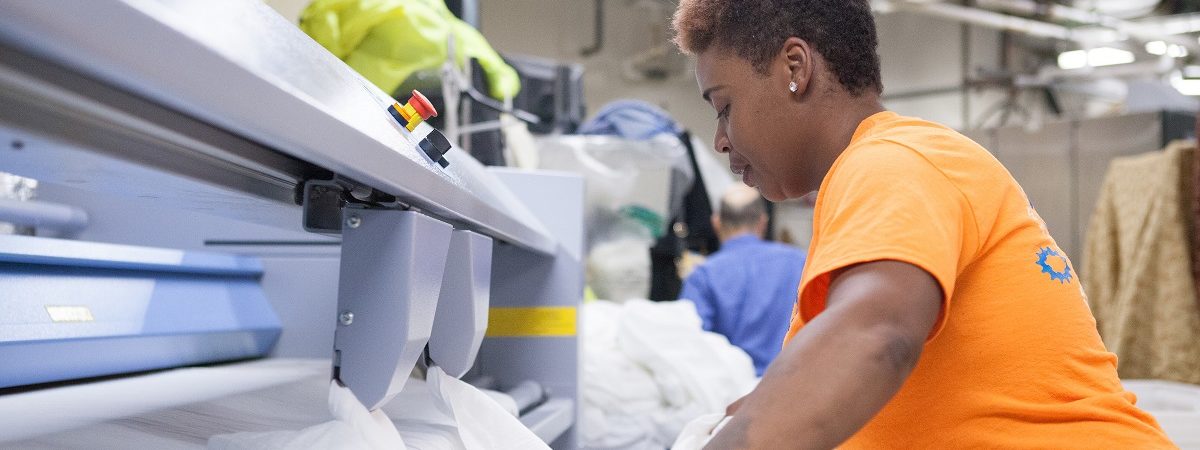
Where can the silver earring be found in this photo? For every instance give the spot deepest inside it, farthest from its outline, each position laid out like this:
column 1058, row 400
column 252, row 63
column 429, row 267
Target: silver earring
column 792, row 86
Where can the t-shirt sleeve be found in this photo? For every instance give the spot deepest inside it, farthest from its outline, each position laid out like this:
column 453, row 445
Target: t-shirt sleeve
column 887, row 202
column 696, row 288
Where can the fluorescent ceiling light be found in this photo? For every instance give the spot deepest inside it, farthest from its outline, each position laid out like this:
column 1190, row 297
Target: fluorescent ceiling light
column 1108, row 56
column 1074, row 59
column 1156, row 48
column 1160, row 48
column 1096, row 57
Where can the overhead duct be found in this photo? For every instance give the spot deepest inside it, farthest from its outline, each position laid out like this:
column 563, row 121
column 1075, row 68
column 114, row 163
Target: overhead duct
column 1101, row 28
column 1048, row 75
column 1125, row 9
column 976, row 16
column 1105, row 28
column 1176, row 24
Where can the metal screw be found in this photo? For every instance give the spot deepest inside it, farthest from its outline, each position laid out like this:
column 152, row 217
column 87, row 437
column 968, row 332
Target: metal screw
column 18, row 145
column 353, row 221
column 361, row 192
column 346, row 318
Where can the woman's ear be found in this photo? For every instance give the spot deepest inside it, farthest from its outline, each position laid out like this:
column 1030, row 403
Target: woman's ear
column 799, row 58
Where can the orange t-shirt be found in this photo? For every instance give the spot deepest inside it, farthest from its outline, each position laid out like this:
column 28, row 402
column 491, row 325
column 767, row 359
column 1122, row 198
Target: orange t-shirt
column 1015, row 360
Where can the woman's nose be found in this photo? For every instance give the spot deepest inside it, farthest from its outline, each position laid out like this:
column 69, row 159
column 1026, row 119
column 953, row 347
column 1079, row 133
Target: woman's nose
column 722, row 143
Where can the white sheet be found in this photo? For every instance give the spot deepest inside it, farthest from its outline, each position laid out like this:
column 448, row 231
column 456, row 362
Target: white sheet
column 438, row 413
column 182, row 409
column 649, row 369
column 352, row 428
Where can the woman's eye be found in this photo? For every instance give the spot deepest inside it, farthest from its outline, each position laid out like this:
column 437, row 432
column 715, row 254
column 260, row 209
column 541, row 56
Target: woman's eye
column 724, row 112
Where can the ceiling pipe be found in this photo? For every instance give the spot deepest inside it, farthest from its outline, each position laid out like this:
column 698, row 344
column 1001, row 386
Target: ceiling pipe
column 1048, row 75
column 1103, row 29
column 1102, row 24
column 1176, row 24
column 976, row 16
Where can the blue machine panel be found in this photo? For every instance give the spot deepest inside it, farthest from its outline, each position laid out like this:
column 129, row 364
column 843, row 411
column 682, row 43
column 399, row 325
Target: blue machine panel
column 72, row 310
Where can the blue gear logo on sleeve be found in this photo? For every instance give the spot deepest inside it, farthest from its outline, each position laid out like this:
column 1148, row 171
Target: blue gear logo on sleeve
column 1063, row 276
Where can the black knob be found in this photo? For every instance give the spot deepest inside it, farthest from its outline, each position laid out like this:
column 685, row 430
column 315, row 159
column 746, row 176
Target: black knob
column 435, row 145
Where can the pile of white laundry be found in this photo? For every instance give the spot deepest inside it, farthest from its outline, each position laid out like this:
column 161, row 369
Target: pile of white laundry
column 437, row 413
column 648, row 369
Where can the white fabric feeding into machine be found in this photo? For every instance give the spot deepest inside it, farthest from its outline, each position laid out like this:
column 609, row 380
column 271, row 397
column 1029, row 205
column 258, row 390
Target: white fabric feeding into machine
column 649, row 369
column 438, row 413
column 353, row 427
column 194, row 408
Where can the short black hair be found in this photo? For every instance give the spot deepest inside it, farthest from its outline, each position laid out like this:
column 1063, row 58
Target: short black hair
column 842, row 31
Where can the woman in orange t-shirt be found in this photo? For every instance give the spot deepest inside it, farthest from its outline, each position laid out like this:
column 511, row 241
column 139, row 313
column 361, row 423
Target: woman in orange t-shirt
column 935, row 310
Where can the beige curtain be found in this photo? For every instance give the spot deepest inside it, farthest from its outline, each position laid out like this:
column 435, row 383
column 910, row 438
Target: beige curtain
column 1138, row 265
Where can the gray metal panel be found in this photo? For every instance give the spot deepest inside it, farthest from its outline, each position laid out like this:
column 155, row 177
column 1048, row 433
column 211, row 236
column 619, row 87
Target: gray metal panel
column 300, row 269
column 552, row 197
column 59, row 136
column 1041, row 163
column 115, row 218
column 462, row 308
column 391, row 272
column 524, row 279
column 550, row 420
column 302, row 290
column 208, row 58
column 1098, row 142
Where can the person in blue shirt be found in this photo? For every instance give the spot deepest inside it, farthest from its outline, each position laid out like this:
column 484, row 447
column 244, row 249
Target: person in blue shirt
column 746, row 290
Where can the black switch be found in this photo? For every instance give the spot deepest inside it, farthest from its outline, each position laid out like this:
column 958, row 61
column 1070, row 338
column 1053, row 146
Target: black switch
column 435, row 145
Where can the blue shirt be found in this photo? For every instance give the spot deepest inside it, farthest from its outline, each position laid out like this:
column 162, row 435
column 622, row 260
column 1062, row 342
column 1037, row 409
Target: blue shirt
column 746, row 292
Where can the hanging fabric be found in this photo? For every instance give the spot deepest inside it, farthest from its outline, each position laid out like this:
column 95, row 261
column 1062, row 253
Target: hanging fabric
column 1195, row 228
column 1137, row 266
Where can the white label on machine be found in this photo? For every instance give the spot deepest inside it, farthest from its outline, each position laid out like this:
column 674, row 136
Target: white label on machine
column 60, row 314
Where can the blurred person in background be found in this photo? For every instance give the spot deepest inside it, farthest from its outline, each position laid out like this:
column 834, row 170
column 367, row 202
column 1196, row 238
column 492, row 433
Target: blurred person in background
column 746, row 290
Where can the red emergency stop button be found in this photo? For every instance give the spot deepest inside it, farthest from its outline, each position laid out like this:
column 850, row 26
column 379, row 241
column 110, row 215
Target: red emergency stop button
column 414, row 112
column 421, row 105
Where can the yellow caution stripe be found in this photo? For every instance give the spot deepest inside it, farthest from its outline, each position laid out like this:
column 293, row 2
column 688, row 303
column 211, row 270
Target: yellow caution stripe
column 543, row 321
